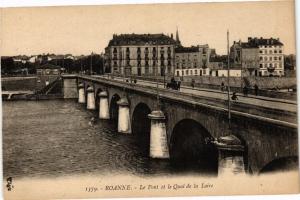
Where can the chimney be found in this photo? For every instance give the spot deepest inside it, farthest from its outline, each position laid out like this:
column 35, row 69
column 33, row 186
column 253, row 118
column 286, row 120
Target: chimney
column 249, row 39
column 172, row 35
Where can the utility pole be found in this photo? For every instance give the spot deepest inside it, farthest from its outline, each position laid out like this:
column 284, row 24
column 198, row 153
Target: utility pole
column 81, row 70
column 156, row 74
column 64, row 62
column 91, row 66
column 228, row 83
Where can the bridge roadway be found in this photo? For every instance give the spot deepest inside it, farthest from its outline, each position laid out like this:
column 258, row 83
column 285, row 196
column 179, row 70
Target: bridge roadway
column 277, row 109
column 265, row 127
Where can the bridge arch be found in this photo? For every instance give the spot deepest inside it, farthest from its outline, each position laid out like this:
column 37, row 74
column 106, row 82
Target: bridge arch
column 141, row 125
column 86, row 86
column 114, row 108
column 280, row 164
column 97, row 99
column 189, row 147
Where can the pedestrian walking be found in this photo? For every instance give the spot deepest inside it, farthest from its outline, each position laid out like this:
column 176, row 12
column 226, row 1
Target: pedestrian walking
column 178, row 85
column 256, row 89
column 245, row 90
column 222, row 86
column 193, row 83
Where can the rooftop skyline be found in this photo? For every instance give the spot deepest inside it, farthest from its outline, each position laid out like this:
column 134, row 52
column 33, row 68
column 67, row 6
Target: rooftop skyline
column 85, row 29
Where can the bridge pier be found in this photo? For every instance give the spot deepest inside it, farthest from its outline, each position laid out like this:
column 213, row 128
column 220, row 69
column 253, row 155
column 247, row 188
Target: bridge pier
column 124, row 125
column 81, row 93
column 158, row 135
column 90, row 98
column 103, row 105
column 231, row 158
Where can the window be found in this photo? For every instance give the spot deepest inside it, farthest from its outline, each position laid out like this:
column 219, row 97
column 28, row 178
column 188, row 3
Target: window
column 266, row 65
column 270, row 58
column 196, row 72
column 260, row 65
column 280, row 51
column 280, row 65
column 182, row 72
column 279, row 58
column 270, row 65
column 177, row 73
column 270, row 51
column 260, row 51
column 266, row 58
column 169, row 50
column 187, row 72
column 275, row 51
column 204, row 72
column 261, row 58
column 191, row 71
column 275, row 65
column 275, row 58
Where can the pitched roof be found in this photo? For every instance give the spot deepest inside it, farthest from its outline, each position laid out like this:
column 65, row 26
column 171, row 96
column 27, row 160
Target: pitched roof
column 141, row 39
column 186, row 49
column 255, row 42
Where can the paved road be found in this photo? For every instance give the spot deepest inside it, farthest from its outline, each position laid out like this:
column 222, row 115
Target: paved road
column 266, row 102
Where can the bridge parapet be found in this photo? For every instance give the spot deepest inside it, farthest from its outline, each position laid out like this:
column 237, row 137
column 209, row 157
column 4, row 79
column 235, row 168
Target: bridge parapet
column 260, row 129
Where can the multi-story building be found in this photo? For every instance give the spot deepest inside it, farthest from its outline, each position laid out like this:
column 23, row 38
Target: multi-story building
column 141, row 54
column 192, row 61
column 258, row 57
column 271, row 57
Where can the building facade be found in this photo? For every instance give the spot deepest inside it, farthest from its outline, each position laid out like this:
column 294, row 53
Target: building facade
column 271, row 56
column 192, row 61
column 258, row 57
column 141, row 55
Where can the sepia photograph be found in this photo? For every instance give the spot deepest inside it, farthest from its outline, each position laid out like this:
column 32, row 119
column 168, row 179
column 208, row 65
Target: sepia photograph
column 149, row 100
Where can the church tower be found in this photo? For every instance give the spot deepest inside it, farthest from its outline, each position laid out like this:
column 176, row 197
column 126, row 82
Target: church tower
column 178, row 43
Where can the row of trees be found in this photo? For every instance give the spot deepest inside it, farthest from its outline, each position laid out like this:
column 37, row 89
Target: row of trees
column 82, row 63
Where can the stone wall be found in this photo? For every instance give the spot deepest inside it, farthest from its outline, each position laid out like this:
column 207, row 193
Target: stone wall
column 19, row 83
column 70, row 88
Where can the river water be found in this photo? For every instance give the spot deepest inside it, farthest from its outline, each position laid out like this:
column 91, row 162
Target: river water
column 54, row 138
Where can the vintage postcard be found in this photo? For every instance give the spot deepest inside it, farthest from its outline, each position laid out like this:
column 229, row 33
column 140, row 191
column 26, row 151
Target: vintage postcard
column 149, row 100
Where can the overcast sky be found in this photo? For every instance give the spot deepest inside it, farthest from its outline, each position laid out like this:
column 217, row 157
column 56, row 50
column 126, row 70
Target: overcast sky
column 83, row 29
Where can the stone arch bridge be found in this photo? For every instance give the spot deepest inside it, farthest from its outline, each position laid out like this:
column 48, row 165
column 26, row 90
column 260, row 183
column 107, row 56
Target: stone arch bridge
column 190, row 127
